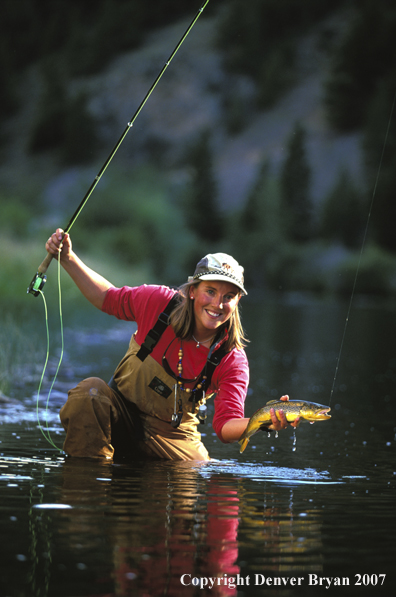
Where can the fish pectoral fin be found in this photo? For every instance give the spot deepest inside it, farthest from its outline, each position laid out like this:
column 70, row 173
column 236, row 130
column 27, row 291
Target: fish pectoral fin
column 243, row 443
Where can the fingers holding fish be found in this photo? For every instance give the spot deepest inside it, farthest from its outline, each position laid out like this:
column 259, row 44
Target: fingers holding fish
column 278, row 419
column 296, row 422
column 281, row 422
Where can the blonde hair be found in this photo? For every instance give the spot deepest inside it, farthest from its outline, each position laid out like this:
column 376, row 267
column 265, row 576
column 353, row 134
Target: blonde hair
column 182, row 320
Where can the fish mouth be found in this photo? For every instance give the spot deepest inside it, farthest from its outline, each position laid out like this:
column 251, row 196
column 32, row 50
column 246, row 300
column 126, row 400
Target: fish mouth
column 324, row 413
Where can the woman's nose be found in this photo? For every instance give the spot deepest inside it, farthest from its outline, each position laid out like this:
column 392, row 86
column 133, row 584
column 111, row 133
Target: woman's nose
column 219, row 302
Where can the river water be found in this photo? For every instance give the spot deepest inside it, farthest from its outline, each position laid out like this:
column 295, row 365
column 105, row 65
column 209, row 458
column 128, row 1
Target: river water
column 310, row 515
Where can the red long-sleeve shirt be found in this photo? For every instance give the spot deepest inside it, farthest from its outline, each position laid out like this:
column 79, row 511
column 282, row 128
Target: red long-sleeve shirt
column 230, row 379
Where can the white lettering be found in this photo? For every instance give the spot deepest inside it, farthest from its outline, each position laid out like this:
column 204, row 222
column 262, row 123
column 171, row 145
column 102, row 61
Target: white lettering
column 327, row 581
column 284, row 581
column 186, row 584
column 259, row 579
column 228, row 581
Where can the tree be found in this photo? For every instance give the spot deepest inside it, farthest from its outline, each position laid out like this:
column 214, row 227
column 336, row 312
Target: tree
column 343, row 215
column 203, row 214
column 295, row 181
column 379, row 148
column 80, row 138
column 366, row 54
column 258, row 225
column 48, row 126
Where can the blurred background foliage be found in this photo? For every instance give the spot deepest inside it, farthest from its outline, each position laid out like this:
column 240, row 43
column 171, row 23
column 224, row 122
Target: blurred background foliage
column 157, row 221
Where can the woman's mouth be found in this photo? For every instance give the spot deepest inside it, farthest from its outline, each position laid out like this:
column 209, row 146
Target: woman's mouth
column 212, row 314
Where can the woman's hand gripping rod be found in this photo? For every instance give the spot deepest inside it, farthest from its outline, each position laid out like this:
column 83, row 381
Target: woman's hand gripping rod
column 38, row 281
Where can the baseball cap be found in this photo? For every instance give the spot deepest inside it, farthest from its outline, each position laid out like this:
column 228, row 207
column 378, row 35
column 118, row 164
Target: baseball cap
column 219, row 266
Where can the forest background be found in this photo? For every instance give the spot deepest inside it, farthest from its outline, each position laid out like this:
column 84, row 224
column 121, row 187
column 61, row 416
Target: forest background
column 264, row 139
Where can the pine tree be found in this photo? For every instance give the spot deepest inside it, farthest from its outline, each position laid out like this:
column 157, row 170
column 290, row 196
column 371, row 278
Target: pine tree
column 48, row 126
column 379, row 152
column 258, row 225
column 251, row 217
column 343, row 213
column 295, row 182
column 203, row 214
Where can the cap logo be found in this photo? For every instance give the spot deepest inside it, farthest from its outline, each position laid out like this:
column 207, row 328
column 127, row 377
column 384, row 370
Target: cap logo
column 228, row 267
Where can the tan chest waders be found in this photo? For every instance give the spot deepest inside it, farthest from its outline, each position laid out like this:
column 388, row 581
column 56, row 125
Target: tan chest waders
column 168, row 414
column 142, row 411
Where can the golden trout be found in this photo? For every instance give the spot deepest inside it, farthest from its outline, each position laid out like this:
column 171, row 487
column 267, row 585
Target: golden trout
column 307, row 411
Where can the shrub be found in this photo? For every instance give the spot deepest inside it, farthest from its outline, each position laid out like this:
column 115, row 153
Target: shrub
column 14, row 217
column 136, row 220
column 374, row 272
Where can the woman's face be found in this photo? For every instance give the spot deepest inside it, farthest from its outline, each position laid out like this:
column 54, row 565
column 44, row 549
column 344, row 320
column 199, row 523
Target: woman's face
column 214, row 303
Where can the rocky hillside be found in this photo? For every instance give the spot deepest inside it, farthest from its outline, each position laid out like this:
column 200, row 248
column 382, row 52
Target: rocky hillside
column 193, row 95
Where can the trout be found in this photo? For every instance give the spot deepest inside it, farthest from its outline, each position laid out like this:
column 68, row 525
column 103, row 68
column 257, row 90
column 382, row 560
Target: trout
column 307, row 411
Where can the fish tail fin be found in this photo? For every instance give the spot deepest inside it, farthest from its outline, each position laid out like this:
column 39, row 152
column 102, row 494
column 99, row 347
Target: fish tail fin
column 243, row 443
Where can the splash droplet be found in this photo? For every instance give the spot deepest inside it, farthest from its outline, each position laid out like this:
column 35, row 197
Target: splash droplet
column 294, row 440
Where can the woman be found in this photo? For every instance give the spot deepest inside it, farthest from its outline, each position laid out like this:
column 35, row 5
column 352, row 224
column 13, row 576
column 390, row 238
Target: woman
column 188, row 346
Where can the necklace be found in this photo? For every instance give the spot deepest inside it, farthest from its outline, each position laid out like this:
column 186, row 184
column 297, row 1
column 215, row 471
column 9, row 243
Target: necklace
column 178, row 405
column 203, row 342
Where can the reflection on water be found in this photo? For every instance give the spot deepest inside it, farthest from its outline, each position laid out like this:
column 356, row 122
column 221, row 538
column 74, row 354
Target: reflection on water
column 152, row 532
column 82, row 527
column 268, row 520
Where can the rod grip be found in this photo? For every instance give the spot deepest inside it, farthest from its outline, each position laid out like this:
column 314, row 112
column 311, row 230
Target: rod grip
column 42, row 268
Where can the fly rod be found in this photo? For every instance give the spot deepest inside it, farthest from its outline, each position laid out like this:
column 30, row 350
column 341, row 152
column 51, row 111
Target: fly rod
column 38, row 281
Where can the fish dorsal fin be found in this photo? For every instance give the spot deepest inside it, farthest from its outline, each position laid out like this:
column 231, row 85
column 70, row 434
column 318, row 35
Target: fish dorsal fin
column 272, row 401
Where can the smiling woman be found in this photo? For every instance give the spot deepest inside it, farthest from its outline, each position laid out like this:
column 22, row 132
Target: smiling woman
column 189, row 346
column 214, row 304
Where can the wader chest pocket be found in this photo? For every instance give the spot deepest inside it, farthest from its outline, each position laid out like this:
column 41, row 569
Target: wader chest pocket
column 158, row 386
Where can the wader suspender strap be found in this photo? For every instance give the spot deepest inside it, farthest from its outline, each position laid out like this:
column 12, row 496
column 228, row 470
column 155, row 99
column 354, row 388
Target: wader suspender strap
column 156, row 332
column 211, row 364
